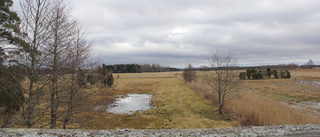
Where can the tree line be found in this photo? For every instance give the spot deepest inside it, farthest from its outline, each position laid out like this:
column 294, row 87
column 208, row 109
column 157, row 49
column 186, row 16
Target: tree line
column 136, row 68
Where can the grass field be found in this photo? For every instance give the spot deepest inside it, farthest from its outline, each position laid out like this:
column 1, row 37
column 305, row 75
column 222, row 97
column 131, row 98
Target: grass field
column 176, row 106
column 179, row 105
column 274, row 101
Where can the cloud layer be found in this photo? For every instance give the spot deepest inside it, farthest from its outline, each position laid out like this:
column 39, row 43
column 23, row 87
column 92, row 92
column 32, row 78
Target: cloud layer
column 179, row 32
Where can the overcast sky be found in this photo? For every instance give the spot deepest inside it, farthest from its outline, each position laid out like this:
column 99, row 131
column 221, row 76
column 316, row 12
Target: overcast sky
column 179, row 32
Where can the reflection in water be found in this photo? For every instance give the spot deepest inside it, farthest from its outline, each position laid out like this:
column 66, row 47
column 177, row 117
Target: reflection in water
column 130, row 104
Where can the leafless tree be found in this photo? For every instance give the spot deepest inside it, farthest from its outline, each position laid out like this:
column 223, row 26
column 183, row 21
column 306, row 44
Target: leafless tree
column 57, row 47
column 223, row 80
column 60, row 43
column 35, row 23
column 80, row 52
column 309, row 64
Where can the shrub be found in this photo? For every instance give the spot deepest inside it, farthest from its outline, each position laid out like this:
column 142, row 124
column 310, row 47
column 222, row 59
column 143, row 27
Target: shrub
column 81, row 78
column 242, row 76
column 91, row 78
column 269, row 73
column 283, row 74
column 288, row 74
column 188, row 74
column 275, row 74
column 110, row 79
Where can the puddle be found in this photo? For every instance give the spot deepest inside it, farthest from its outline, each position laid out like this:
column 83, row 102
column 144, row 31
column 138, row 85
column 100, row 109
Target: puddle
column 129, row 104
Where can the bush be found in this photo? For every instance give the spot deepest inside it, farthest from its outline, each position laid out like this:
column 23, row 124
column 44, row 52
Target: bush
column 283, row 74
column 91, row 78
column 275, row 74
column 242, row 76
column 288, row 74
column 188, row 74
column 81, row 76
column 269, row 73
column 249, row 72
column 110, row 79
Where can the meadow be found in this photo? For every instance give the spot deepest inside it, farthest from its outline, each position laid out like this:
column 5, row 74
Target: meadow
column 176, row 106
column 269, row 102
column 180, row 105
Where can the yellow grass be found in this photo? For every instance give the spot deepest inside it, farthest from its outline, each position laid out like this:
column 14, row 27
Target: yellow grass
column 258, row 110
column 264, row 102
column 176, row 106
column 181, row 105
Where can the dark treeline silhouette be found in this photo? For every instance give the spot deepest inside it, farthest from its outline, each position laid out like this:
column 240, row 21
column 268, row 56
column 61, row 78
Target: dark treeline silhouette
column 124, row 68
column 136, row 68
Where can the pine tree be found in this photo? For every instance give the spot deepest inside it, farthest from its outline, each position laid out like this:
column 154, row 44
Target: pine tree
column 11, row 93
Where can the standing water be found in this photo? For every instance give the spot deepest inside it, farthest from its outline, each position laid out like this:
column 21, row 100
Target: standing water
column 130, row 104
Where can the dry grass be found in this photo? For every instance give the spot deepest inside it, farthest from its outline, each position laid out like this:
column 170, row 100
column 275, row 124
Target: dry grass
column 315, row 72
column 260, row 102
column 254, row 109
column 289, row 88
column 257, row 102
column 177, row 106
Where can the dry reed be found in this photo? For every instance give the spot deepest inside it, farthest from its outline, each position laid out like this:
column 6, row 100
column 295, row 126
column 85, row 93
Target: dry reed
column 256, row 105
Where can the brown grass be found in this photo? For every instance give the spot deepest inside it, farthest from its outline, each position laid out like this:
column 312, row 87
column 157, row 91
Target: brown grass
column 258, row 102
column 254, row 109
column 177, row 106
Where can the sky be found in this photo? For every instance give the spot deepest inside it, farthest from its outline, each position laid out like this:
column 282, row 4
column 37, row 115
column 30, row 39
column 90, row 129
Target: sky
column 176, row 33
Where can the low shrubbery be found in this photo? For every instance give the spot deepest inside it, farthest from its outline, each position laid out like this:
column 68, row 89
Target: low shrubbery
column 260, row 74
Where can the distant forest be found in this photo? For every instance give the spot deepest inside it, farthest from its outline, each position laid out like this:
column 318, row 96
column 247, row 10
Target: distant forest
column 136, row 68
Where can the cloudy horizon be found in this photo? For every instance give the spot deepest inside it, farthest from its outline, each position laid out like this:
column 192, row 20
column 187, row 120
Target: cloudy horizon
column 176, row 33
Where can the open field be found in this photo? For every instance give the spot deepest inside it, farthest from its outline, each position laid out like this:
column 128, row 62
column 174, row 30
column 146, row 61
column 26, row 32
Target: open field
column 258, row 102
column 178, row 105
column 274, row 101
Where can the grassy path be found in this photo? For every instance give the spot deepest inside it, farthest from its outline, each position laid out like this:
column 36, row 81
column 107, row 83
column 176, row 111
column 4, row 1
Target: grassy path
column 176, row 106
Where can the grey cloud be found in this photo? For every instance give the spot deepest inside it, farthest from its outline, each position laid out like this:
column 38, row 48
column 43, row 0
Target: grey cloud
column 178, row 32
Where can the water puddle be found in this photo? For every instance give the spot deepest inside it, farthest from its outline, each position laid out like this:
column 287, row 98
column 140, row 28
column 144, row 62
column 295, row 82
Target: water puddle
column 129, row 104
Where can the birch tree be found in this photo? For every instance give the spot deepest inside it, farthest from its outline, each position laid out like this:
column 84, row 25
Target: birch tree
column 222, row 81
column 35, row 23
column 62, row 31
column 57, row 44
column 79, row 54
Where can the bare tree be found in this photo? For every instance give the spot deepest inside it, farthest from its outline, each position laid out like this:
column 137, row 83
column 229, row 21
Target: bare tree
column 222, row 81
column 57, row 46
column 309, row 64
column 79, row 54
column 62, row 31
column 35, row 23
